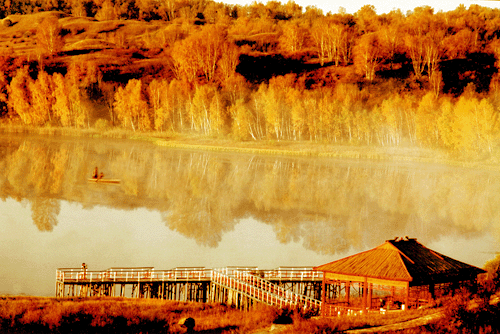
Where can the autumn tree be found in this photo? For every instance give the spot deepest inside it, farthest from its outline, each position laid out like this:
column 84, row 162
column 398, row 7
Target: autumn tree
column 391, row 37
column 416, row 51
column 179, row 101
column 48, row 36
column 207, row 110
column 298, row 113
column 160, row 102
column 427, row 115
column 62, row 105
column 330, row 36
column 320, row 39
column 199, row 54
column 199, row 110
column 423, row 40
column 42, row 98
column 131, row 107
column 82, row 8
column 471, row 125
column 390, row 121
column 293, row 38
column 433, row 50
column 184, row 59
column 241, row 125
column 436, row 82
column 270, row 99
column 146, row 9
column 167, row 9
column 367, row 19
column 229, row 60
column 19, row 97
column 212, row 39
column 368, row 54
column 81, row 83
column 337, row 43
column 218, row 114
column 107, row 11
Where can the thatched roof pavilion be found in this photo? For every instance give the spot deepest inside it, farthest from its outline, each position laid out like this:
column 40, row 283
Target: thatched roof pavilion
column 398, row 264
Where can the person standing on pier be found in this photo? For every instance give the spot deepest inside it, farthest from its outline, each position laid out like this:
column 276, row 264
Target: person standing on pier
column 84, row 269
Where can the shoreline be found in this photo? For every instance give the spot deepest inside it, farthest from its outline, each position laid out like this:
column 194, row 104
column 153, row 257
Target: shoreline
column 403, row 154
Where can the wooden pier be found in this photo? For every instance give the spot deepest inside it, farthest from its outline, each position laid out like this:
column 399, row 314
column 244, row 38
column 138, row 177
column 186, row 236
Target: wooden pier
column 238, row 286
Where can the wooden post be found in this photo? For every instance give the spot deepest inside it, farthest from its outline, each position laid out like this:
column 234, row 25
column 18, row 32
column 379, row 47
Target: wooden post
column 365, row 293
column 407, row 295
column 323, row 295
column 347, row 291
column 370, row 289
column 393, row 289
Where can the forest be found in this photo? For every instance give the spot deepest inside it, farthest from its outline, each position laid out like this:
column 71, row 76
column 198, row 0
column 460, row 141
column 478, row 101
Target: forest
column 269, row 71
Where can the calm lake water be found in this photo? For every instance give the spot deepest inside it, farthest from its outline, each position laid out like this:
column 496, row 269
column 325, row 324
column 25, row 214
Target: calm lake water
column 191, row 208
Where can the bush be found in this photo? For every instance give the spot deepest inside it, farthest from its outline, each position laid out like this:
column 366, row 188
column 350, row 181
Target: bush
column 101, row 125
column 472, row 313
column 7, row 23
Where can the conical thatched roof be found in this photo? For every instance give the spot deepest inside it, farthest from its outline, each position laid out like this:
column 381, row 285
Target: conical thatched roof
column 403, row 260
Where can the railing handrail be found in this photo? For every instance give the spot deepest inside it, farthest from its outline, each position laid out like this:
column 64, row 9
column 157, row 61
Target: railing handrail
column 232, row 282
column 264, row 290
column 179, row 273
column 289, row 294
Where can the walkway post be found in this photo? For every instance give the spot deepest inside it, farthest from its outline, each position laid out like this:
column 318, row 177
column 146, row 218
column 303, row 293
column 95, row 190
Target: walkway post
column 407, row 295
column 365, row 293
column 323, row 296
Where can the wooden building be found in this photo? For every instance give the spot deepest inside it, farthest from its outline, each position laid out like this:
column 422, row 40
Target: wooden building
column 401, row 273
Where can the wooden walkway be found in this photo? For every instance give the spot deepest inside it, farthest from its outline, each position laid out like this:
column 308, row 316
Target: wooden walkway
column 238, row 286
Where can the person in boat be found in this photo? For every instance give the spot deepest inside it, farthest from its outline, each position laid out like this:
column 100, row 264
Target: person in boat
column 100, row 176
column 95, row 175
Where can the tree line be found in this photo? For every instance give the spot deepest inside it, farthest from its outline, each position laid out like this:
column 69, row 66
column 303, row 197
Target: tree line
column 419, row 78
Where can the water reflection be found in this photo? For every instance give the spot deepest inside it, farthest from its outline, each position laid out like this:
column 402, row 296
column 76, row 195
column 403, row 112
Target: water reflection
column 330, row 206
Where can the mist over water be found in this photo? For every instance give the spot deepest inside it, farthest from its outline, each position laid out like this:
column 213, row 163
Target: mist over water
column 193, row 208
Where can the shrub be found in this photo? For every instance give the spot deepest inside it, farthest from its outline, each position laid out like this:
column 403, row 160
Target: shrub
column 101, row 125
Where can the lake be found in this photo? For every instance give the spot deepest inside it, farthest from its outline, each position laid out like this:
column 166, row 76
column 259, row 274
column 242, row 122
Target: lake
column 178, row 208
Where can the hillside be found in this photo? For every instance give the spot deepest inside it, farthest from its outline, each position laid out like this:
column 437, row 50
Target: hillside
column 111, row 45
column 258, row 72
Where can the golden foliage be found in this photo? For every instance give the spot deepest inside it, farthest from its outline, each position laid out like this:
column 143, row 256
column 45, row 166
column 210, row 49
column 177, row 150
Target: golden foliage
column 131, row 107
column 48, row 36
column 287, row 97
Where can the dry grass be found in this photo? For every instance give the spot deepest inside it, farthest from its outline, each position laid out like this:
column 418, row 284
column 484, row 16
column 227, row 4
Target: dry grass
column 110, row 315
column 120, row 315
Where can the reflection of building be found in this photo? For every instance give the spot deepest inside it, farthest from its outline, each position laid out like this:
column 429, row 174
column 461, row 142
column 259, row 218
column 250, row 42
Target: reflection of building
column 397, row 274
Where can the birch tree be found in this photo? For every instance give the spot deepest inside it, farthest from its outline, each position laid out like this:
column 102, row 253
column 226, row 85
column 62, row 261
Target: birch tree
column 131, row 108
column 48, row 36
column 19, row 97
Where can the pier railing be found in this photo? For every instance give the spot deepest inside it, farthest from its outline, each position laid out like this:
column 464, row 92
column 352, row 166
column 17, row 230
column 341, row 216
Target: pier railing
column 133, row 275
column 294, row 274
column 181, row 273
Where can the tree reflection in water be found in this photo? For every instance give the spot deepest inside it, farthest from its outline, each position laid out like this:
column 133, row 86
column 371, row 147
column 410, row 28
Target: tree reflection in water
column 330, row 205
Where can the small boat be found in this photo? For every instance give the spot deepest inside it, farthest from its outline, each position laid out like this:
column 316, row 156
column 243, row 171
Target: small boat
column 104, row 180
